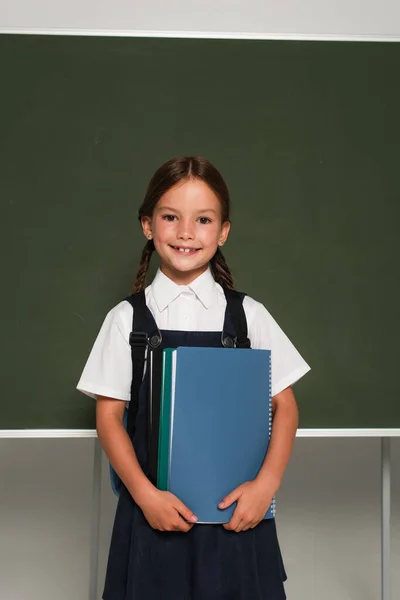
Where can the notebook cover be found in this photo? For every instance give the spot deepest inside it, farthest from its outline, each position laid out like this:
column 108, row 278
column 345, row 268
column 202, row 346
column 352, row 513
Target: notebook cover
column 155, row 358
column 220, row 425
column 164, row 424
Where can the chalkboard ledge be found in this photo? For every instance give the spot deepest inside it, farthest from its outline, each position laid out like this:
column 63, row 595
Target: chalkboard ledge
column 304, row 433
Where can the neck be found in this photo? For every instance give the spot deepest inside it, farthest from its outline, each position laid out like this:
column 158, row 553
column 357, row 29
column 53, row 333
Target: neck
column 182, row 277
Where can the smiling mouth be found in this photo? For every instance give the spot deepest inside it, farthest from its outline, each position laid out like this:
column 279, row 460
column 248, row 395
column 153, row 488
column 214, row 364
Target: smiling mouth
column 186, row 251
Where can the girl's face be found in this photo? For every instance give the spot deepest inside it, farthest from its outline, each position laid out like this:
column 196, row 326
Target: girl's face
column 186, row 229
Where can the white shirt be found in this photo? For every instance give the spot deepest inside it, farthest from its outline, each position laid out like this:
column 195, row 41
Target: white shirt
column 199, row 306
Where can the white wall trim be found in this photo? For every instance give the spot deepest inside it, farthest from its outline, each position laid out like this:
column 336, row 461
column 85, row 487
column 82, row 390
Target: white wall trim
column 91, row 433
column 219, row 35
column 351, row 433
column 47, row 433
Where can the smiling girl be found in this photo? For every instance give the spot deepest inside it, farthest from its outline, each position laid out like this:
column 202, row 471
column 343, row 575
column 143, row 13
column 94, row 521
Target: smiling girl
column 157, row 551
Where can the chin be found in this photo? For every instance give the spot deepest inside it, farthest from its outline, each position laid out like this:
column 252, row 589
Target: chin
column 187, row 269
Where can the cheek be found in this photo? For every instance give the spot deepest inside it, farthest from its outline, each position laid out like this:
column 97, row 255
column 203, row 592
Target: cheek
column 210, row 233
column 161, row 229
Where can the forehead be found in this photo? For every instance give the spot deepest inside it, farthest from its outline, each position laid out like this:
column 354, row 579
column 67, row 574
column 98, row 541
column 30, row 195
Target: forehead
column 190, row 194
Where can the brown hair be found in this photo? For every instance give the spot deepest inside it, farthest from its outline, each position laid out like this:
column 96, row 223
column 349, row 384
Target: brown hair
column 168, row 175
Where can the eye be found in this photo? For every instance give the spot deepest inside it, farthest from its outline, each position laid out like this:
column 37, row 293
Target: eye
column 204, row 220
column 169, row 218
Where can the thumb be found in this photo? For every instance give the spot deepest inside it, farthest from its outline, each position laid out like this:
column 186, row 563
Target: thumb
column 231, row 498
column 185, row 512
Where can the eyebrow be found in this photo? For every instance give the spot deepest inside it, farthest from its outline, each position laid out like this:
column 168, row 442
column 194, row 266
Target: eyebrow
column 203, row 210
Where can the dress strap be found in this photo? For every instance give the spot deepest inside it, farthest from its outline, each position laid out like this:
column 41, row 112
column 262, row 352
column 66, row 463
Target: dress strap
column 144, row 332
column 235, row 310
column 143, row 320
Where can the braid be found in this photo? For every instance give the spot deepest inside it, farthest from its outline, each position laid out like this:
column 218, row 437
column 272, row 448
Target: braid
column 220, row 270
column 143, row 267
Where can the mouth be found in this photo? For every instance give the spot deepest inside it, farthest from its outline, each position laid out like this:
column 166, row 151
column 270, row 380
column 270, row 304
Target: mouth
column 185, row 250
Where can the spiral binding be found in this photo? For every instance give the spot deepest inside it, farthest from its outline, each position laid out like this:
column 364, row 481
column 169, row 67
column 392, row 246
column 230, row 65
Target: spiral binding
column 273, row 505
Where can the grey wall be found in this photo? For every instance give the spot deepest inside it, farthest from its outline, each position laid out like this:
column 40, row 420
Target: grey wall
column 328, row 519
column 311, row 17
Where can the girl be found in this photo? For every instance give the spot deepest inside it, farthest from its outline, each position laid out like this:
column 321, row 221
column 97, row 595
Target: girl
column 157, row 551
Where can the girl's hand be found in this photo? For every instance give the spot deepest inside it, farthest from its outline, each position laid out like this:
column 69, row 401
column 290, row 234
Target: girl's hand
column 253, row 500
column 165, row 512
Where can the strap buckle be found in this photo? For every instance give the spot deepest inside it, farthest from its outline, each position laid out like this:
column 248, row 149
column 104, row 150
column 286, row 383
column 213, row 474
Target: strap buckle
column 228, row 341
column 233, row 342
column 137, row 339
column 155, row 340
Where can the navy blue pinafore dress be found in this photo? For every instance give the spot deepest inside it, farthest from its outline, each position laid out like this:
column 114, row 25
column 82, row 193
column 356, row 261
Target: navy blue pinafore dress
column 208, row 562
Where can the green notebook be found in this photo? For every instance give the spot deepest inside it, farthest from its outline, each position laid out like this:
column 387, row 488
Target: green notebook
column 165, row 420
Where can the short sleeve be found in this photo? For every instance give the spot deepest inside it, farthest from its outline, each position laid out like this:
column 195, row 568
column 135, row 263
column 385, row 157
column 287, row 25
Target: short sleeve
column 288, row 366
column 108, row 370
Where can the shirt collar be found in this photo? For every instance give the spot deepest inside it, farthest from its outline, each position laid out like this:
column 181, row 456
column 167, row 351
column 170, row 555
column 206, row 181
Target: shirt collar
column 166, row 291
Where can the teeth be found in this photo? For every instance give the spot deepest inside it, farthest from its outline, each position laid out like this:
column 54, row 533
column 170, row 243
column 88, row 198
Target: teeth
column 184, row 249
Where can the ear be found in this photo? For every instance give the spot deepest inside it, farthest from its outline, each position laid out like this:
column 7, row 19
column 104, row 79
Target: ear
column 147, row 228
column 225, row 228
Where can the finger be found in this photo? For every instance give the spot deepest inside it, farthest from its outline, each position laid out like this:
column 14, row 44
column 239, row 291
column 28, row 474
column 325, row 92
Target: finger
column 234, row 522
column 179, row 524
column 240, row 526
column 250, row 525
column 230, row 498
column 184, row 526
column 185, row 512
column 229, row 525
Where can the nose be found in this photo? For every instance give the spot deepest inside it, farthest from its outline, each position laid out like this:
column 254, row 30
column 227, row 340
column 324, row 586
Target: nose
column 185, row 230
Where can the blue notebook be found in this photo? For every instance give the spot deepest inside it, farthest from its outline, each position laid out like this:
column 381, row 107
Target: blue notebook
column 220, row 425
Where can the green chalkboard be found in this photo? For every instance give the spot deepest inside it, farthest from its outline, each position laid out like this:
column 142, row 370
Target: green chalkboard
column 307, row 137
